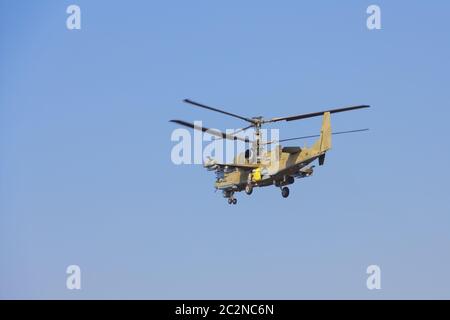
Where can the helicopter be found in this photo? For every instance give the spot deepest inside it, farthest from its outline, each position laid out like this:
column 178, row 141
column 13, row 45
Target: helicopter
column 259, row 167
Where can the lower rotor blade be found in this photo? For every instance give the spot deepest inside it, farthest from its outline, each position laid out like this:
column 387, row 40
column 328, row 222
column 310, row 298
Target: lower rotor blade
column 318, row 135
column 213, row 132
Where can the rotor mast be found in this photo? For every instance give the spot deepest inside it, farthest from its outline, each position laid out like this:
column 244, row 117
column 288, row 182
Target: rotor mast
column 258, row 124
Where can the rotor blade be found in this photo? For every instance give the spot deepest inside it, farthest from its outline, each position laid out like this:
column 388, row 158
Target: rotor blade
column 318, row 135
column 243, row 129
column 240, row 130
column 316, row 114
column 218, row 110
column 213, row 132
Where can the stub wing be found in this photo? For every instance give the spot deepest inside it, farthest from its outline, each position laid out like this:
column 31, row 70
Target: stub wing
column 212, row 164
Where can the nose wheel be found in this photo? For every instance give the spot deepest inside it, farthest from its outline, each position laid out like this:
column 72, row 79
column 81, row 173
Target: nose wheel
column 229, row 195
column 285, row 192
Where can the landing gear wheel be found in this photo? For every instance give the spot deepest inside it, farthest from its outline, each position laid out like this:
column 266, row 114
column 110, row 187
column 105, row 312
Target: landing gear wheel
column 248, row 189
column 285, row 192
column 230, row 201
column 234, row 201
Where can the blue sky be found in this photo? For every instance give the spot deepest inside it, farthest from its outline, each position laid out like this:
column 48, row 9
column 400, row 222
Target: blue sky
column 85, row 170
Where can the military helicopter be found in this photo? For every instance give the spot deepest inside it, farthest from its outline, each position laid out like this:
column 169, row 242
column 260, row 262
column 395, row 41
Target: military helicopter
column 258, row 167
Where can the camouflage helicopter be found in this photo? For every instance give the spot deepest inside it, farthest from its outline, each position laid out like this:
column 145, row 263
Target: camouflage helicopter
column 258, row 167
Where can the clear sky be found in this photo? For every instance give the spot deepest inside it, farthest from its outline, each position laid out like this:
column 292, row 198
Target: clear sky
column 86, row 176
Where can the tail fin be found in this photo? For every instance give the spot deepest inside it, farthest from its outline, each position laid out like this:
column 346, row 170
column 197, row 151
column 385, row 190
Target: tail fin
column 324, row 142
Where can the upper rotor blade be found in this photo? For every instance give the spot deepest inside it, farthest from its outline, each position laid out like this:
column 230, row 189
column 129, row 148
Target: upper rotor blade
column 218, row 110
column 213, row 132
column 317, row 135
column 316, row 114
